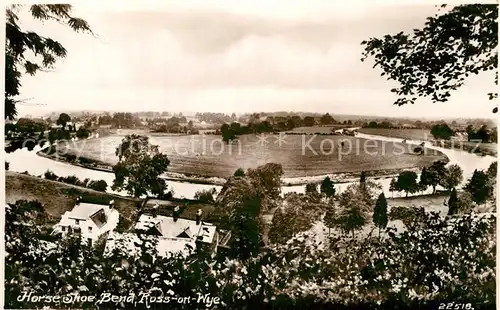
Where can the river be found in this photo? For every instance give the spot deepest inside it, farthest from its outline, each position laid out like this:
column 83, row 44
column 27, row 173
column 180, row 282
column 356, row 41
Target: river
column 23, row 160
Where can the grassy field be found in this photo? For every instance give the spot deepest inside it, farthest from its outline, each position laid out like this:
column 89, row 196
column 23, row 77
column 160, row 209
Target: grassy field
column 58, row 198
column 300, row 155
column 425, row 135
column 410, row 134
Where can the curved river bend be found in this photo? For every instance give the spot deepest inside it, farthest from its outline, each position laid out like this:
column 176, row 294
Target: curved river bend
column 23, row 160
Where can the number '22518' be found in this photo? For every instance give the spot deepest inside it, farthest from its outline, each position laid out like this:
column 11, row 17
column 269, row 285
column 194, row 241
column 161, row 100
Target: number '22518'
column 454, row 306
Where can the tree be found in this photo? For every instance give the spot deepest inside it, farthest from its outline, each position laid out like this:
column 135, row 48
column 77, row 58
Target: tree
column 479, row 187
column 19, row 42
column 327, row 119
column 267, row 179
column 329, row 219
column 139, row 167
column 309, row 121
column 239, row 173
column 433, row 175
column 442, row 131
column 393, row 187
column 327, row 187
column 492, row 171
column 312, row 192
column 362, row 179
column 311, row 188
column 407, row 182
column 435, row 60
column 354, row 209
column 82, row 133
column 239, row 204
column 99, row 185
column 465, row 203
column 297, row 214
column 7, row 165
column 63, row 120
column 227, row 133
column 380, row 213
column 205, row 196
column 452, row 177
column 453, row 203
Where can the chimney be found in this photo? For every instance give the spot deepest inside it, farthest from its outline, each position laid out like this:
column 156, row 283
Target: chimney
column 198, row 217
column 111, row 203
column 176, row 213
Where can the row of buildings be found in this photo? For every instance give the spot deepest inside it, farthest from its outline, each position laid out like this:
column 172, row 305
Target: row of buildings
column 174, row 234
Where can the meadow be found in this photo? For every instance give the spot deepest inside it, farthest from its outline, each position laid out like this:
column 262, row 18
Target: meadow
column 300, row 155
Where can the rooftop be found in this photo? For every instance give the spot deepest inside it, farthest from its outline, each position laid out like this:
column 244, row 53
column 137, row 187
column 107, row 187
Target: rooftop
column 129, row 243
column 182, row 227
column 84, row 211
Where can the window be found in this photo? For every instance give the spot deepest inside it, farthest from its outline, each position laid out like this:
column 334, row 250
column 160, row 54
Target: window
column 63, row 228
column 77, row 222
column 89, row 241
column 90, row 229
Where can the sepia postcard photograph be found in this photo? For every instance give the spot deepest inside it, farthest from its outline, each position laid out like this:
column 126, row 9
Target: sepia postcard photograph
column 250, row 155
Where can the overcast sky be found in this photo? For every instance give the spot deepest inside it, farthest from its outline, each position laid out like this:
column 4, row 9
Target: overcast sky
column 278, row 56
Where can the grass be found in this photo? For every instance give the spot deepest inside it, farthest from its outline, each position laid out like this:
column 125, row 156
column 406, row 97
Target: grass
column 300, row 155
column 57, row 198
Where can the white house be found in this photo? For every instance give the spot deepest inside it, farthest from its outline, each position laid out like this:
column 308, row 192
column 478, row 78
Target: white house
column 88, row 219
column 174, row 234
column 460, row 136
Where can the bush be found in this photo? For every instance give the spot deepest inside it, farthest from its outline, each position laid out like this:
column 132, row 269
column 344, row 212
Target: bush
column 205, row 196
column 49, row 175
column 100, row 185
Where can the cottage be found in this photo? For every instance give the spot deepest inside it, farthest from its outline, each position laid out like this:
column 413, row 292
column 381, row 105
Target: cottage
column 89, row 220
column 174, row 235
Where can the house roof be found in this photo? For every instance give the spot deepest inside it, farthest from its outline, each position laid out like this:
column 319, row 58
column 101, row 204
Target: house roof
column 129, row 243
column 84, row 211
column 182, row 227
